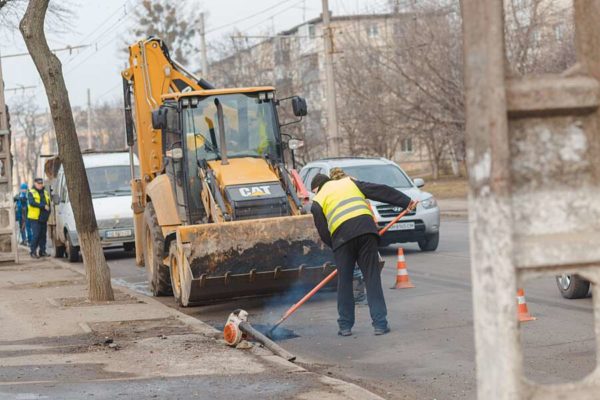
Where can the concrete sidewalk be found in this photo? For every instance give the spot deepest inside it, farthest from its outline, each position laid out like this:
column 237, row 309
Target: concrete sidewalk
column 54, row 344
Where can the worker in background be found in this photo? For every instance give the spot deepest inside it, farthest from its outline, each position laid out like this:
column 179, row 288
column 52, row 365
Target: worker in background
column 21, row 214
column 38, row 211
column 345, row 223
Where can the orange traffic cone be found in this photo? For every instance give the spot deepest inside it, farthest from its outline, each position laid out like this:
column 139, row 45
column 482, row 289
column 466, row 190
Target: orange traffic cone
column 522, row 310
column 402, row 278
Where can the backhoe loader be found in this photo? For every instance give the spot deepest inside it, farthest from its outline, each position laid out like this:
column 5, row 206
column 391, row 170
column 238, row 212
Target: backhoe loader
column 216, row 213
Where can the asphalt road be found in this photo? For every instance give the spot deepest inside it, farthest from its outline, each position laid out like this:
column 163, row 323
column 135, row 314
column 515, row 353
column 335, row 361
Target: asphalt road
column 430, row 353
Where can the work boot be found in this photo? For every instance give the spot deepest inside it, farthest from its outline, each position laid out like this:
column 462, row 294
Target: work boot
column 381, row 331
column 33, row 255
column 44, row 254
column 345, row 332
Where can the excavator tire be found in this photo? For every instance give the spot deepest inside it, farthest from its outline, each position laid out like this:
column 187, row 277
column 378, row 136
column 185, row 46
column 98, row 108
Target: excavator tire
column 159, row 277
column 175, row 265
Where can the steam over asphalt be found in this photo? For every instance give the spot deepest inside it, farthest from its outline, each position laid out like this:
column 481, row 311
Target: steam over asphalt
column 429, row 353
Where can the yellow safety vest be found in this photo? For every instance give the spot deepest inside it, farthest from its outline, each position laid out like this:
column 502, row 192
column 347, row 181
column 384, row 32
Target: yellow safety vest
column 341, row 200
column 34, row 212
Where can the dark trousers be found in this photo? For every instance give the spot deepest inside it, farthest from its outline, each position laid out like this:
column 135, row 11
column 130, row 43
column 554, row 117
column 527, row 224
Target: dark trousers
column 38, row 239
column 361, row 250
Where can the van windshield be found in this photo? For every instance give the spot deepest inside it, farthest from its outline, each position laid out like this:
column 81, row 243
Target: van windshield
column 382, row 174
column 110, row 181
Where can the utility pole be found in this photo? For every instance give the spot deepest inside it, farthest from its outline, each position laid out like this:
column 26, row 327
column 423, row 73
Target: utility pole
column 332, row 125
column 203, row 47
column 89, row 118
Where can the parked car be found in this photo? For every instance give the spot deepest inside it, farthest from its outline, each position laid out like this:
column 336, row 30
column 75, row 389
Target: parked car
column 109, row 176
column 421, row 225
column 572, row 286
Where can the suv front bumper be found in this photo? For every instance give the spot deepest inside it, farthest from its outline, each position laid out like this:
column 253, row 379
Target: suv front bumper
column 427, row 222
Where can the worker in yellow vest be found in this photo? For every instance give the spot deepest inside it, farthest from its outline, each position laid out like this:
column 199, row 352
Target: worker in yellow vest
column 38, row 211
column 345, row 223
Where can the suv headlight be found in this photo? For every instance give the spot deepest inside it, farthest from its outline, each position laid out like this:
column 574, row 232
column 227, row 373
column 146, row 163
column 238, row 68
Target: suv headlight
column 429, row 203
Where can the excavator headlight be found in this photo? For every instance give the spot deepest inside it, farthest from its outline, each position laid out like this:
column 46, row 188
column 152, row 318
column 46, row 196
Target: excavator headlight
column 194, row 102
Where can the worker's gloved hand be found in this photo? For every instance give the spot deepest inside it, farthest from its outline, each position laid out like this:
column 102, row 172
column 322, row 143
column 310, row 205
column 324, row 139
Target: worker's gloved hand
column 412, row 205
column 47, row 208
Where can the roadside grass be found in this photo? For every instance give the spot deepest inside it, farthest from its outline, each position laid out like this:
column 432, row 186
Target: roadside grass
column 446, row 187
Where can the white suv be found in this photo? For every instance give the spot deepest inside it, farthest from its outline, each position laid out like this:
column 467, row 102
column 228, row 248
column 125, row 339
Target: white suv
column 421, row 225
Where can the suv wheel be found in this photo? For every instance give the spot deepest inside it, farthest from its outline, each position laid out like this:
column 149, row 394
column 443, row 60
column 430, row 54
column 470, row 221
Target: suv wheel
column 572, row 286
column 430, row 243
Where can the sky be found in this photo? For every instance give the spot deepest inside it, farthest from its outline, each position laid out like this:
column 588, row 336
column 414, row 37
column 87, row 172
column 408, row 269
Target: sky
column 104, row 25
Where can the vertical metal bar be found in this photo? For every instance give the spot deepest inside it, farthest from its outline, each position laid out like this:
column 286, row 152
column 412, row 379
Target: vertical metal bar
column 587, row 42
column 499, row 366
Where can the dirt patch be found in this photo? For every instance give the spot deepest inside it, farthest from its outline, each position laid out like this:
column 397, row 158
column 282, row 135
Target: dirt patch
column 120, row 298
column 140, row 329
column 38, row 285
column 58, row 372
column 29, row 267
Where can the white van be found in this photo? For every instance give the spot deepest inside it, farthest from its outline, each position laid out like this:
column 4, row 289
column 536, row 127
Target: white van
column 109, row 176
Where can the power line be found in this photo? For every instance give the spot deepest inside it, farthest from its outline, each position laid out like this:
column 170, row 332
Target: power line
column 100, row 36
column 68, row 48
column 247, row 18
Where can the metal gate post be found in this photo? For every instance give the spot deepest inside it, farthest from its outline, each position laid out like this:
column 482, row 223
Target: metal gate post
column 533, row 153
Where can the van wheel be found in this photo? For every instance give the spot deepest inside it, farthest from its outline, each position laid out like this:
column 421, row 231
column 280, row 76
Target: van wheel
column 430, row 243
column 159, row 277
column 572, row 286
column 72, row 251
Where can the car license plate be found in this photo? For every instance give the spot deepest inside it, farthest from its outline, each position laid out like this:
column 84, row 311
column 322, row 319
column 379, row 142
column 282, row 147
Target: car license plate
column 119, row 233
column 402, row 226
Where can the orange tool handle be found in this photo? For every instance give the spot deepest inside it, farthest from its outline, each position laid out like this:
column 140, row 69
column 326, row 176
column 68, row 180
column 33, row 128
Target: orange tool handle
column 398, row 218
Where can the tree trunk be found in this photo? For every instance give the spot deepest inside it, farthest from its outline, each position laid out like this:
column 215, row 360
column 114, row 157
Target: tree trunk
column 50, row 70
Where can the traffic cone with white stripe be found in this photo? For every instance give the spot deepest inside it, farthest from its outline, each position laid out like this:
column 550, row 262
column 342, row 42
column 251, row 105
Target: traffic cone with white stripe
column 402, row 278
column 522, row 310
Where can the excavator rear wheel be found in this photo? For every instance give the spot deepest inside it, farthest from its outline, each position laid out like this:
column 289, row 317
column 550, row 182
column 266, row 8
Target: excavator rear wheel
column 158, row 274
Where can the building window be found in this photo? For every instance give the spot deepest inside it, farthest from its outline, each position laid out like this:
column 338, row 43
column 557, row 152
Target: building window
column 312, row 31
column 406, row 146
column 559, row 31
column 372, row 30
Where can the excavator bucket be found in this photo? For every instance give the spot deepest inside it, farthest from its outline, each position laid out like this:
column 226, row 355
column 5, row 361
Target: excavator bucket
column 252, row 257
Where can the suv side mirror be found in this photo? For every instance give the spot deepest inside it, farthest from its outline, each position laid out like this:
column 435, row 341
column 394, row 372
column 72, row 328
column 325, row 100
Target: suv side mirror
column 159, row 118
column 299, row 106
column 55, row 198
column 419, row 182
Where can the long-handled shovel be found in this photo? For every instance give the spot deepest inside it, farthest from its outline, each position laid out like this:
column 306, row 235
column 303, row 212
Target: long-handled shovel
column 329, row 277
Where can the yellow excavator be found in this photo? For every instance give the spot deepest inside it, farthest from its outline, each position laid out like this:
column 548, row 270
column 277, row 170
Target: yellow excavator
column 217, row 214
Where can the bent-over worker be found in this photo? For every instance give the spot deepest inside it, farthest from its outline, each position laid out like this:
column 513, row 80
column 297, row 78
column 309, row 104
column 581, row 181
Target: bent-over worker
column 345, row 223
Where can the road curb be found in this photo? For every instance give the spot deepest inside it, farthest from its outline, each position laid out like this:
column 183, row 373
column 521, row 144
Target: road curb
column 350, row 390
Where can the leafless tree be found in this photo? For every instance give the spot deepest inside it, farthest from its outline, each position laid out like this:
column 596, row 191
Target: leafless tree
column 50, row 70
column 31, row 125
column 172, row 22
column 108, row 121
column 539, row 36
